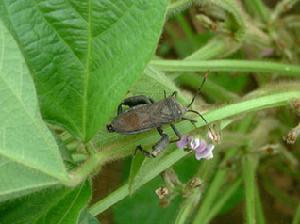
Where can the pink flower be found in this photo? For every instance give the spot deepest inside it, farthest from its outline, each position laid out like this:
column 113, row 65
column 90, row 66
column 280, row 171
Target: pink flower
column 184, row 141
column 204, row 151
column 200, row 147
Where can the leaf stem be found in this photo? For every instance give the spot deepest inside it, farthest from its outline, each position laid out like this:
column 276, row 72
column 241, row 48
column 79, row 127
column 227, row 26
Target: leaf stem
column 226, row 66
column 281, row 7
column 259, row 8
column 296, row 218
column 220, row 203
column 248, row 166
column 178, row 6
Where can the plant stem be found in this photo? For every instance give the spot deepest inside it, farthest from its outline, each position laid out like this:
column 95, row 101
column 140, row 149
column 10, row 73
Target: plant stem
column 219, row 204
column 210, row 196
column 111, row 199
column 257, row 7
column 281, row 7
column 259, row 207
column 178, row 6
column 216, row 47
column 296, row 218
column 187, row 30
column 226, row 66
column 248, row 166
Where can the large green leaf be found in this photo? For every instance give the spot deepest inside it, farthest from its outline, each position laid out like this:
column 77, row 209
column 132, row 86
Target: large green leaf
column 29, row 156
column 84, row 55
column 62, row 206
column 68, row 209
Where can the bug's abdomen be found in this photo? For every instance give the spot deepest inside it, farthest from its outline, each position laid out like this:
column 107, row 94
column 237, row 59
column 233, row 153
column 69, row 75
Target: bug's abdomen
column 141, row 119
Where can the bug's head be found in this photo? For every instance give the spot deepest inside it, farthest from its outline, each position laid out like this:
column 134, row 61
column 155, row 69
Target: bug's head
column 110, row 128
column 181, row 109
column 177, row 107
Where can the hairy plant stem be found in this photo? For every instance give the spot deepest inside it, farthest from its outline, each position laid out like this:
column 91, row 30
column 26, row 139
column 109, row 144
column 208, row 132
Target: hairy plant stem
column 226, row 66
column 258, row 8
column 281, row 7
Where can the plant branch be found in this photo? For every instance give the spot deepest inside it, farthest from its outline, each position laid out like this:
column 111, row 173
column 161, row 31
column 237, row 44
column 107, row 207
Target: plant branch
column 226, row 66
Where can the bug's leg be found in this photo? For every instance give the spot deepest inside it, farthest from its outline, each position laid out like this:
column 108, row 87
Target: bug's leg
column 165, row 94
column 120, row 108
column 176, row 133
column 133, row 101
column 136, row 100
column 146, row 153
column 174, row 94
column 160, row 145
column 160, row 131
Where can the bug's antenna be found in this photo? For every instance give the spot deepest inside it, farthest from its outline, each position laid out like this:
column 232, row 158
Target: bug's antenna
column 198, row 90
column 200, row 115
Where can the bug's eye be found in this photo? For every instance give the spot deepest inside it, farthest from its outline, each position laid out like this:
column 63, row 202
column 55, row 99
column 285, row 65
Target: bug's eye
column 110, row 128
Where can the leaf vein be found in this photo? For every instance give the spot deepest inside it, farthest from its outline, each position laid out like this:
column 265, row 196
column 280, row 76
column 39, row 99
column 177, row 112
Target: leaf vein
column 57, row 33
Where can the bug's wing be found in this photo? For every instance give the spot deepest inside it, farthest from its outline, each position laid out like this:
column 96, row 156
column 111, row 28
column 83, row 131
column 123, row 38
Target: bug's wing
column 143, row 118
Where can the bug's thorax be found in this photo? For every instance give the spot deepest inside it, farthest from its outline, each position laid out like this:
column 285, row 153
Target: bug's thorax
column 175, row 108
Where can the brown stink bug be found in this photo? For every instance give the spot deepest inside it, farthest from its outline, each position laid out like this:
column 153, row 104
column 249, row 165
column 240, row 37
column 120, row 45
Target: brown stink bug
column 144, row 114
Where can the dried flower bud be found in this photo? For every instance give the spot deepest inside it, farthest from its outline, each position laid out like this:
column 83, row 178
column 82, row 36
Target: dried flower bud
column 296, row 106
column 214, row 136
column 162, row 192
column 293, row 135
column 195, row 182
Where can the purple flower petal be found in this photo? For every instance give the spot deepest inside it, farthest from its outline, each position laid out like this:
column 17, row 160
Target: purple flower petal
column 184, row 141
column 201, row 147
column 209, row 152
column 195, row 143
column 204, row 151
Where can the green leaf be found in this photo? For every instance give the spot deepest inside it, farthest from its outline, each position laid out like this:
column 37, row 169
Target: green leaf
column 69, row 207
column 52, row 206
column 136, row 164
column 29, row 155
column 84, row 55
